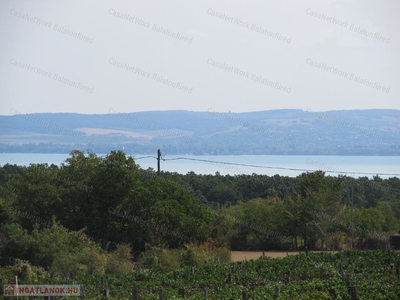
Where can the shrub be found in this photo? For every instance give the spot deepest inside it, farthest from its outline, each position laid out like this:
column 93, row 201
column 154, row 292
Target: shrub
column 56, row 249
column 210, row 252
column 24, row 270
column 337, row 241
column 191, row 256
column 89, row 260
column 168, row 258
column 188, row 258
column 119, row 262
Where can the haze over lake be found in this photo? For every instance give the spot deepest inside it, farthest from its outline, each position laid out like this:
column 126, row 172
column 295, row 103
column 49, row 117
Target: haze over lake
column 284, row 165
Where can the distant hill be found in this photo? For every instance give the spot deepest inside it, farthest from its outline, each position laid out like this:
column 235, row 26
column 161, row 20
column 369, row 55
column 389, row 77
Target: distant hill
column 288, row 131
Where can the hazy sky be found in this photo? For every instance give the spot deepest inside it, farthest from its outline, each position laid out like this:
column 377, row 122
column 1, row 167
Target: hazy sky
column 91, row 56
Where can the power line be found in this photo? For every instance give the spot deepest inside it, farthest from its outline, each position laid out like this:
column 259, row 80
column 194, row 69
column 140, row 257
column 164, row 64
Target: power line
column 149, row 156
column 279, row 168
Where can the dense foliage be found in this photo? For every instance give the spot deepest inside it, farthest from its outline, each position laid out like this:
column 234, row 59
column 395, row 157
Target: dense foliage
column 90, row 211
column 257, row 212
column 374, row 275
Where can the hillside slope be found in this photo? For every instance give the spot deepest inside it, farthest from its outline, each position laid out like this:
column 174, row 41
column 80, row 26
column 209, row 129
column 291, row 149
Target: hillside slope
column 350, row 132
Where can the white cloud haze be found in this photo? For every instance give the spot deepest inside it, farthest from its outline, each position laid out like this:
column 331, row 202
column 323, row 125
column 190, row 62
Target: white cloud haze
column 89, row 56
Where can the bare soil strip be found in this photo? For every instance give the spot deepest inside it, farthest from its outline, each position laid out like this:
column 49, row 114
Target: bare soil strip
column 247, row 255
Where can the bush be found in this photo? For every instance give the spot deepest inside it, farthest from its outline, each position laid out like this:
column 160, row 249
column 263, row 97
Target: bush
column 24, row 270
column 55, row 249
column 191, row 256
column 210, row 252
column 337, row 241
column 168, row 258
column 188, row 258
column 148, row 259
column 119, row 262
column 89, row 260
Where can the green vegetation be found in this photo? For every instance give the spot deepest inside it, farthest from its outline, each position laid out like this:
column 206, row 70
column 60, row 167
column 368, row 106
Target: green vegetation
column 95, row 216
column 374, row 274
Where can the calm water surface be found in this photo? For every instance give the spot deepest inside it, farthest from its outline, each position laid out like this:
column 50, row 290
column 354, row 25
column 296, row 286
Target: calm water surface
column 285, row 165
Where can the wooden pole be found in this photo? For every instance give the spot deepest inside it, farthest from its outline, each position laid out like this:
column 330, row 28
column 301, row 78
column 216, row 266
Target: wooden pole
column 244, row 295
column 182, row 292
column 206, row 292
column 161, row 294
column 353, row 292
column 277, row 291
column 106, row 293
column 135, row 293
column 230, row 278
column 158, row 161
column 352, row 218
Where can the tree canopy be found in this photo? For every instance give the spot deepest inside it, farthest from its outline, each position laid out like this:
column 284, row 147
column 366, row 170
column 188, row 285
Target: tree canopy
column 104, row 204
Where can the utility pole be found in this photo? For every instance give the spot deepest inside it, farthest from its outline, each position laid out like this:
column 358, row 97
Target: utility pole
column 158, row 161
column 352, row 218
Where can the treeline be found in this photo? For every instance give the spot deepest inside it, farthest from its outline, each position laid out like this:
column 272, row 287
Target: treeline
column 312, row 209
column 108, row 204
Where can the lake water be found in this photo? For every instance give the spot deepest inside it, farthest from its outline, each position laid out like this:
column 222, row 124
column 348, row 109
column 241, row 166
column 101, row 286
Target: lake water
column 284, row 165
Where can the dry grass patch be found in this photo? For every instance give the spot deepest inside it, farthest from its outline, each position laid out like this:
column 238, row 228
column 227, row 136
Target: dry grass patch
column 247, row 255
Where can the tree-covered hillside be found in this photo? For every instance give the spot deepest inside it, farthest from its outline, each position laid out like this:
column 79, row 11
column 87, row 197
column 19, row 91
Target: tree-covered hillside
column 353, row 132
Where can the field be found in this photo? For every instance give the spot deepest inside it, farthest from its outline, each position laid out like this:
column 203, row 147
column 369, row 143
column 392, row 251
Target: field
column 320, row 276
column 247, row 255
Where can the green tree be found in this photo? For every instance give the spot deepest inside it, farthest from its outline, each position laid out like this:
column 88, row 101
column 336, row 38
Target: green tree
column 391, row 224
column 259, row 224
column 368, row 222
column 37, row 196
column 315, row 197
